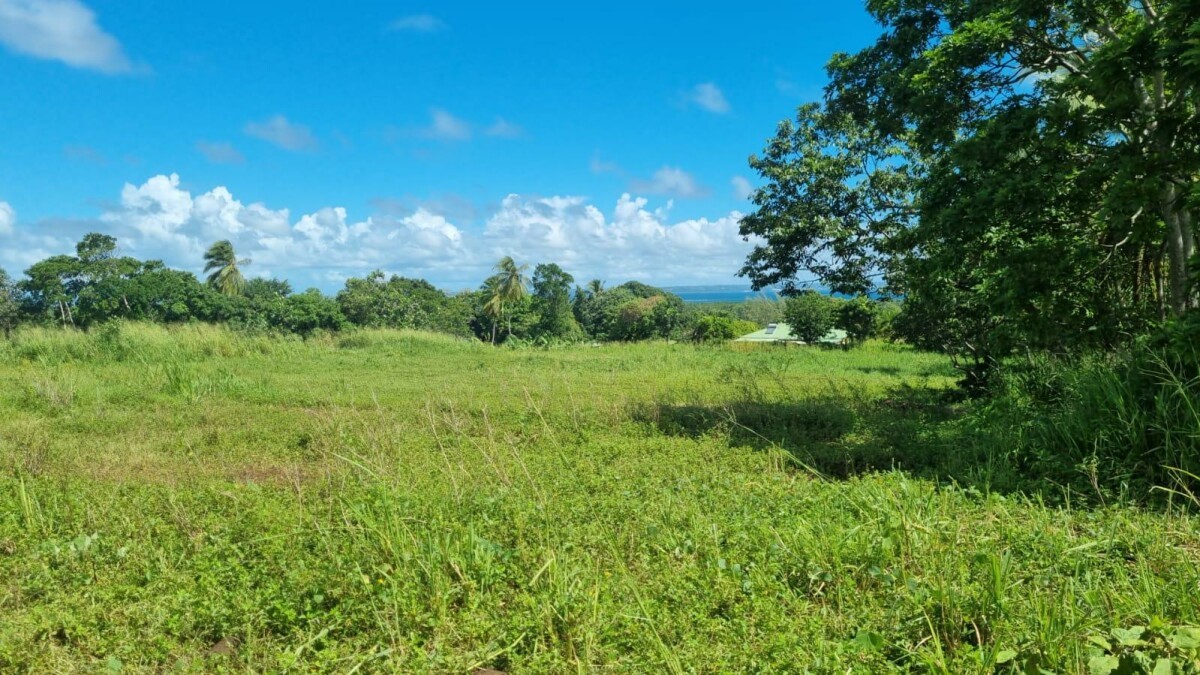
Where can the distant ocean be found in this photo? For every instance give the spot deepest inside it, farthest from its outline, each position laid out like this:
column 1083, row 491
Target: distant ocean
column 721, row 293
column 739, row 293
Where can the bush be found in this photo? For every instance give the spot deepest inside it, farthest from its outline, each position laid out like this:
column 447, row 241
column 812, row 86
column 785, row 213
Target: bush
column 858, row 317
column 719, row 327
column 811, row 316
column 886, row 312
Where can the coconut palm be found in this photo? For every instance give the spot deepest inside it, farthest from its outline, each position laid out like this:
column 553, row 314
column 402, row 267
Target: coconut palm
column 512, row 285
column 595, row 287
column 495, row 304
column 221, row 260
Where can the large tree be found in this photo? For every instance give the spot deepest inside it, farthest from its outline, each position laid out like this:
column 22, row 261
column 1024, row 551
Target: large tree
column 1019, row 171
column 552, row 301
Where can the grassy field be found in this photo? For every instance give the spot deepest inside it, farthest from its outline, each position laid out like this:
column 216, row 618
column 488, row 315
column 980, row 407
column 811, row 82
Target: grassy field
column 193, row 500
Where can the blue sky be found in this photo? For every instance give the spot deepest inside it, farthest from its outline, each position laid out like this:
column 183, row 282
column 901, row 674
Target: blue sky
column 329, row 139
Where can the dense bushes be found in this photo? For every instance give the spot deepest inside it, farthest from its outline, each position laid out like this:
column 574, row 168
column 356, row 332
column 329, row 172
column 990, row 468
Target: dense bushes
column 631, row 311
column 717, row 327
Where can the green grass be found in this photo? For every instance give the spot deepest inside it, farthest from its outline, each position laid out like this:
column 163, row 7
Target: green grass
column 192, row 500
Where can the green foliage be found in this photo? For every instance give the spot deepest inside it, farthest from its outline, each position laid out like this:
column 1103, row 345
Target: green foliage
column 505, row 294
column 552, row 303
column 266, row 289
column 224, row 269
column 630, row 312
column 833, row 199
column 1159, row 649
column 1105, row 424
column 720, row 327
column 859, row 318
column 10, row 307
column 810, row 314
column 378, row 302
column 886, row 314
column 304, row 313
column 1019, row 172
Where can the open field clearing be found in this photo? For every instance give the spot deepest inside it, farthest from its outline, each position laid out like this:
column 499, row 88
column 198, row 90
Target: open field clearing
column 191, row 499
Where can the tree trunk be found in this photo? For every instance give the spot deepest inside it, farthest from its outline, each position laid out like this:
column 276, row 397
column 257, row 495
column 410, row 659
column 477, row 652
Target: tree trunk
column 1180, row 249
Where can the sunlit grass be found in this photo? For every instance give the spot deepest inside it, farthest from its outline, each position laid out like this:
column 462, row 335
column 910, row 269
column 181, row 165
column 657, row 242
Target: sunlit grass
column 193, row 499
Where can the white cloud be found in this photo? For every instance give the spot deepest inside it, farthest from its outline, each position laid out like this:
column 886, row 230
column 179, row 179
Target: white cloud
column 502, row 128
column 634, row 244
column 220, row 153
column 742, row 189
column 61, row 30
column 419, row 23
column 279, row 131
column 161, row 219
column 8, row 219
column 447, row 127
column 671, row 181
column 709, row 97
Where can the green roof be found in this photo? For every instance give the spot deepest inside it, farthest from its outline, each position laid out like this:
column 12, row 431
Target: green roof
column 781, row 332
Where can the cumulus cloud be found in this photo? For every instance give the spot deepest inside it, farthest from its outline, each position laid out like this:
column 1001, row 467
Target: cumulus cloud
column 279, row 131
column 671, row 181
column 61, row 30
column 220, row 153
column 742, row 189
column 21, row 244
column 634, row 243
column 162, row 219
column 8, row 219
column 709, row 97
column 419, row 23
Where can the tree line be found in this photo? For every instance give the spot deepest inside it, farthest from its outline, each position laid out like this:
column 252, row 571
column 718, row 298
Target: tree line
column 97, row 284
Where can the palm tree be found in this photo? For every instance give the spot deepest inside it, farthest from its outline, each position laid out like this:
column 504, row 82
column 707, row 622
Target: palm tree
column 222, row 262
column 512, row 285
column 595, row 287
column 495, row 305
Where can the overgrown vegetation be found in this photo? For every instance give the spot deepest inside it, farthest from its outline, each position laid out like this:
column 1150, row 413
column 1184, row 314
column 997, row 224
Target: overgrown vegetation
column 194, row 499
column 1024, row 176
column 281, row 480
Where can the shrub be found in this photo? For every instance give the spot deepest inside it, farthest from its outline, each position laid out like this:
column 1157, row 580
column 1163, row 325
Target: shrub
column 718, row 327
column 811, row 316
column 885, row 317
column 858, row 317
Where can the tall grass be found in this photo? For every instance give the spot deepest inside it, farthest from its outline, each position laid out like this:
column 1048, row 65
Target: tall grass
column 1117, row 423
column 121, row 341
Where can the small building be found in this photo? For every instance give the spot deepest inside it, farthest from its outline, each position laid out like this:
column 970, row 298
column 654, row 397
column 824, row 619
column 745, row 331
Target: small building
column 781, row 333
